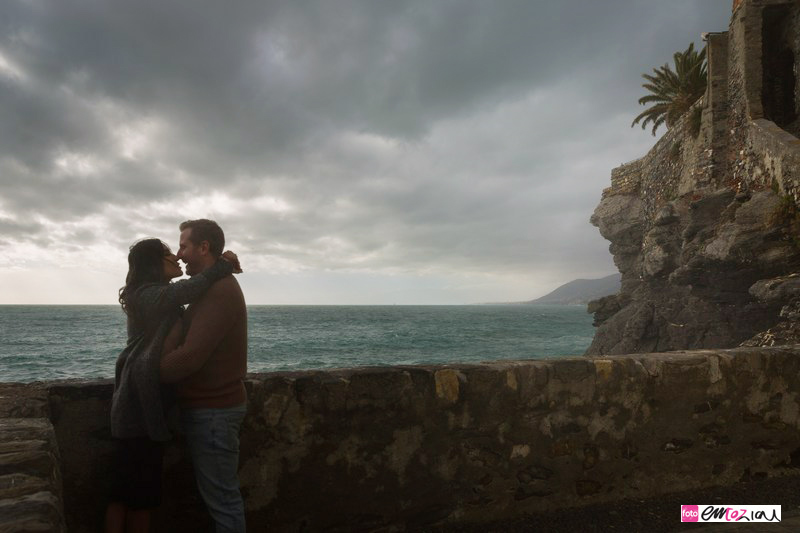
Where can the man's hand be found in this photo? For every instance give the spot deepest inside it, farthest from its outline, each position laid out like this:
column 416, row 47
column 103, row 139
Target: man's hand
column 231, row 258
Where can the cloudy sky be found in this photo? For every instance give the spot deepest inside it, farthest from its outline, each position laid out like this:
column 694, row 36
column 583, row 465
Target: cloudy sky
column 354, row 151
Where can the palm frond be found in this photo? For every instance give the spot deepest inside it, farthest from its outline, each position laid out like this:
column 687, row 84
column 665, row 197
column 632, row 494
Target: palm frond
column 672, row 92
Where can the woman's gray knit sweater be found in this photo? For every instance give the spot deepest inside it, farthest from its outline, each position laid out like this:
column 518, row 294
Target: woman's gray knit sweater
column 137, row 407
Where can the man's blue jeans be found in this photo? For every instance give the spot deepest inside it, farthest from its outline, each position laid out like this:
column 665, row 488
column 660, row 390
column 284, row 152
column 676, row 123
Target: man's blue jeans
column 212, row 436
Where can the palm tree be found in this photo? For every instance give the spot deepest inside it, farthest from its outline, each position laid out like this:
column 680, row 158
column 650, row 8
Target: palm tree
column 673, row 92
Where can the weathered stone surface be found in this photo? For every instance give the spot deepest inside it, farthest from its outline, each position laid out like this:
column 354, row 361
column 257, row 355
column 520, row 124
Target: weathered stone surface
column 30, row 475
column 777, row 290
column 413, row 447
column 40, row 511
column 18, row 484
column 604, row 308
column 85, row 455
column 784, row 333
column 23, row 401
column 619, row 217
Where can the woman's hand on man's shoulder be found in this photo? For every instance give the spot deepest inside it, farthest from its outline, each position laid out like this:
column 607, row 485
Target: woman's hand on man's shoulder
column 234, row 260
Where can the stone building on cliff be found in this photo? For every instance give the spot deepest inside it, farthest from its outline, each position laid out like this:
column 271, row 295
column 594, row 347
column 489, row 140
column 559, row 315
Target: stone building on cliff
column 705, row 228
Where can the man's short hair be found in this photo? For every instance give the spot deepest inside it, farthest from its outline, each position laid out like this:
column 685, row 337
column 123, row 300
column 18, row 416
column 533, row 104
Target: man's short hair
column 206, row 230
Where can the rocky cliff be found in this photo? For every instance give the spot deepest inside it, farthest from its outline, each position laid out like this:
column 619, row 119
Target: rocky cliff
column 704, row 228
column 687, row 275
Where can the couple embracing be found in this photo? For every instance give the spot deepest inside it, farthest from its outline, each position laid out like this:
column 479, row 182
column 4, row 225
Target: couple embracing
column 197, row 357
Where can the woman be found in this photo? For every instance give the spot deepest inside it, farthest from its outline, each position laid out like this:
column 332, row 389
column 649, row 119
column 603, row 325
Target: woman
column 138, row 422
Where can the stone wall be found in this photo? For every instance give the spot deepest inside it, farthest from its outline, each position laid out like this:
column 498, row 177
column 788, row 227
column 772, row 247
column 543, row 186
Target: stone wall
column 673, row 167
column 717, row 107
column 770, row 155
column 30, row 477
column 413, row 447
column 736, row 146
column 759, row 153
column 779, row 58
column 625, row 179
column 794, row 37
column 685, row 158
column 776, row 157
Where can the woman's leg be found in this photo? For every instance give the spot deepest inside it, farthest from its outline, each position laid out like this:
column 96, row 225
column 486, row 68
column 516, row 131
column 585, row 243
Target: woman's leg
column 138, row 521
column 145, row 496
column 138, row 465
column 120, row 519
column 115, row 518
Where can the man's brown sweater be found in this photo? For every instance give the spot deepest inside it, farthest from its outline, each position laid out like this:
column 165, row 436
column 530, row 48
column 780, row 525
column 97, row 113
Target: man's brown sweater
column 208, row 368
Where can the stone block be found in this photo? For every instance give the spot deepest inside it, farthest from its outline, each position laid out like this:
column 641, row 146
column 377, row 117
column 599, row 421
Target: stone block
column 30, row 476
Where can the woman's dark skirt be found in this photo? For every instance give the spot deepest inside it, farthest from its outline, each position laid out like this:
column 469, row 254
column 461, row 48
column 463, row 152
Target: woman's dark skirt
column 137, row 467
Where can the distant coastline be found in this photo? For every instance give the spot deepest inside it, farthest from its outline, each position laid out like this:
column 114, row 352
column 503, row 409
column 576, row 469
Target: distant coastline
column 575, row 292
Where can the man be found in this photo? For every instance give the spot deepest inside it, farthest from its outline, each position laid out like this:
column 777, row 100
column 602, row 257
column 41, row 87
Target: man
column 208, row 369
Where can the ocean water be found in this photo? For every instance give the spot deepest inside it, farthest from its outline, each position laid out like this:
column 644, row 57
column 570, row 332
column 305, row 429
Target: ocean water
column 58, row 342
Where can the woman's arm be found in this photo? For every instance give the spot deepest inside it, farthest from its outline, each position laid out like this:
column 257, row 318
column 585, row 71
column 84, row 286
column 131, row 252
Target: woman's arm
column 174, row 337
column 154, row 300
column 189, row 290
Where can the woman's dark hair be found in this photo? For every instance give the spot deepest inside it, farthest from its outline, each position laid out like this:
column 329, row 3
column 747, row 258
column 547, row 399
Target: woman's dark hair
column 145, row 265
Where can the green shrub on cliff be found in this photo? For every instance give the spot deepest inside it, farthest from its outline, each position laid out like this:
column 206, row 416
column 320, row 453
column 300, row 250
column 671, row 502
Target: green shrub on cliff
column 672, row 93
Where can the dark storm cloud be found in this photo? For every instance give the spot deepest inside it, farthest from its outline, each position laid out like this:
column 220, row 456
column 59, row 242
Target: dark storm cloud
column 416, row 134
column 255, row 77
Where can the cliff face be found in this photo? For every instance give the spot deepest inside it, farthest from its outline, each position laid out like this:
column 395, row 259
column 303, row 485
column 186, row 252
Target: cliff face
column 704, row 228
column 687, row 275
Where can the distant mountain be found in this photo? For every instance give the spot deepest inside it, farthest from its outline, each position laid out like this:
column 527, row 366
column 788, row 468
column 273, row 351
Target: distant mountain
column 581, row 291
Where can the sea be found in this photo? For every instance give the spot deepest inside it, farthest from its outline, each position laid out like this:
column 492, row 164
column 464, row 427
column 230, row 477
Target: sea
column 49, row 342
